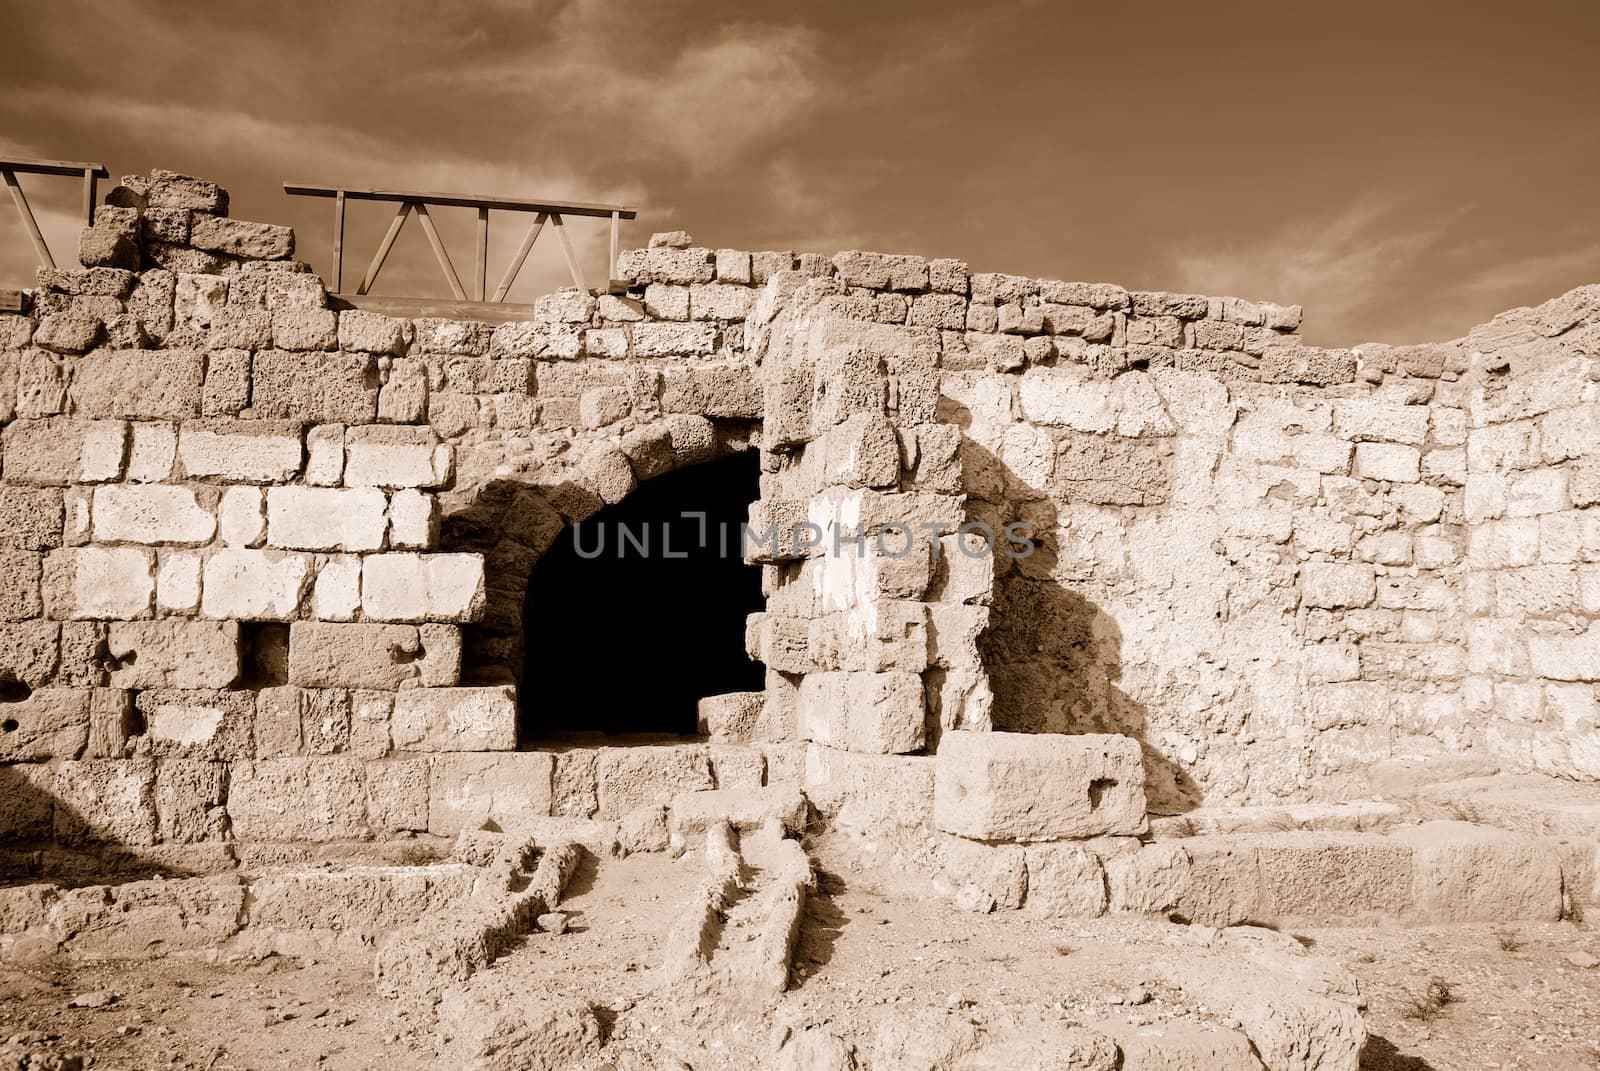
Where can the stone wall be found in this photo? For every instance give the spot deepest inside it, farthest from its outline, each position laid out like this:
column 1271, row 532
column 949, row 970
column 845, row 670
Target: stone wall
column 266, row 556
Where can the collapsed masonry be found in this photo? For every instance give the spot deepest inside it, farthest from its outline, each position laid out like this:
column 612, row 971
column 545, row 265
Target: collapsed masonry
column 265, row 557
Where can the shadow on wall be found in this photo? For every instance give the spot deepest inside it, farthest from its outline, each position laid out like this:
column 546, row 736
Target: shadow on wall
column 1054, row 658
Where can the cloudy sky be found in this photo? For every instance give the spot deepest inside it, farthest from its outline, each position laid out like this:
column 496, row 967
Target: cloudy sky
column 1405, row 169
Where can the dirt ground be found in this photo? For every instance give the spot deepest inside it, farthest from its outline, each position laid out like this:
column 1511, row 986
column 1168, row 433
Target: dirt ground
column 1514, row 1000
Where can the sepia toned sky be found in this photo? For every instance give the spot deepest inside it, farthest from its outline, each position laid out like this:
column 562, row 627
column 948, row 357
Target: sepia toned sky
column 1404, row 169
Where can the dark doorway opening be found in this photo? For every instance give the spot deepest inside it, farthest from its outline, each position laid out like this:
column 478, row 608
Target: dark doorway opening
column 637, row 613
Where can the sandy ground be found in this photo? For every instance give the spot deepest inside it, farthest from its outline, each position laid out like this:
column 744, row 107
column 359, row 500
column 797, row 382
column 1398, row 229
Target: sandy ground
column 1519, row 997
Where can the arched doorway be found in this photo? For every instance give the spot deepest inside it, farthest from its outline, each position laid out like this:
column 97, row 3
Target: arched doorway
column 638, row 612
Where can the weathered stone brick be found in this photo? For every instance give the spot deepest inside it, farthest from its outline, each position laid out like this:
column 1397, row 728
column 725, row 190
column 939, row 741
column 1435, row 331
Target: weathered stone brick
column 241, row 238
column 241, row 451
column 465, row 789
column 105, row 800
column 396, row 456
column 254, row 585
column 876, row 713
column 320, row 387
column 1038, row 786
column 298, row 799
column 317, row 518
column 455, row 719
column 422, row 587
column 99, row 582
column 50, row 723
column 328, row 655
column 1335, row 585
column 153, row 513
column 139, row 383
column 173, row 653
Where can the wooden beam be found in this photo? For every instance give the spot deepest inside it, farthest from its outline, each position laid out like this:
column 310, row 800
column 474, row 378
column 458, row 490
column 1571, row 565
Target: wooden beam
column 89, row 180
column 434, row 240
column 481, row 279
column 384, row 247
column 338, row 243
column 53, row 167
column 32, row 225
column 611, row 272
column 457, row 200
column 446, row 308
column 566, row 247
column 522, row 255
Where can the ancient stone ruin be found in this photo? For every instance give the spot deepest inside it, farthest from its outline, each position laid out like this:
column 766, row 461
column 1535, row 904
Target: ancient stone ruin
column 1123, row 615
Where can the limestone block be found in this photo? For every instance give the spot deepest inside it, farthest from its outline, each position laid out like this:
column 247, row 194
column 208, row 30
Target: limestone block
column 30, row 518
column 178, row 581
column 242, row 451
column 113, row 241
column 27, row 803
column 863, row 452
column 1223, row 884
column 720, row 301
column 1148, row 881
column 168, row 189
column 732, row 717
column 455, row 719
column 465, row 789
column 241, row 238
column 980, row 877
column 241, row 516
column 301, row 329
column 1388, row 461
column 105, row 800
column 876, row 713
column 21, row 596
column 662, row 339
column 50, row 723
column 240, row 327
column 1472, row 873
column 151, row 455
column 1038, row 786
column 336, row 596
column 189, row 799
column 328, row 519
column 1333, row 585
column 227, row 385
column 1333, row 877
column 1372, row 421
column 298, row 799
column 254, row 585
column 173, row 653
column 881, row 271
column 413, row 519
column 101, row 582
column 1064, row 881
column 329, row 655
column 605, row 471
column 369, row 332
column 397, row 796
column 325, row 455
column 153, row 513
column 422, row 587
column 389, row 455
column 144, row 384
column 29, row 652
column 277, row 722
column 465, row 337
column 318, row 387
column 1565, row 657
column 404, row 396
column 369, row 733
column 632, row 777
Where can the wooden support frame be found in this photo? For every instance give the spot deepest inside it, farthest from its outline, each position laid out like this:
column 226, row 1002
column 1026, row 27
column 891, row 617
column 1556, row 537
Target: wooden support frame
column 552, row 212
column 89, row 172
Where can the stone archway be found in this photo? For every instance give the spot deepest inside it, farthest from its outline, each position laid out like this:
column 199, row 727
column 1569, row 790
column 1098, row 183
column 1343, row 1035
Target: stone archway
column 514, row 519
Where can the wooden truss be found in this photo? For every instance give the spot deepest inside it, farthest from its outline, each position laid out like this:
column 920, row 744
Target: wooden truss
column 10, row 169
column 551, row 212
